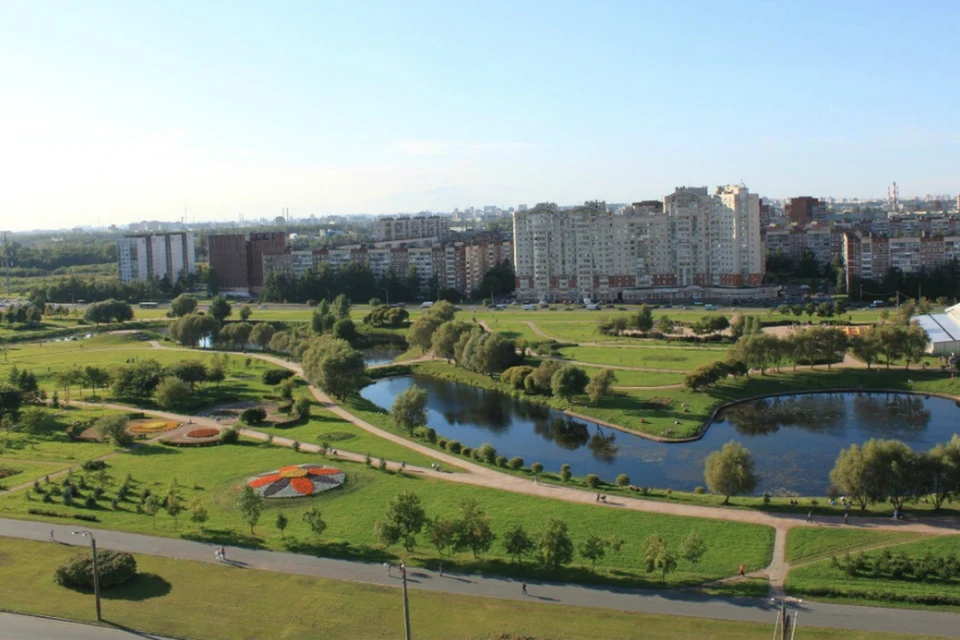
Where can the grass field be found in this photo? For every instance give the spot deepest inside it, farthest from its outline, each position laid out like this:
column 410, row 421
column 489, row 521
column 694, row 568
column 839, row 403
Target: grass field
column 53, row 445
column 823, row 581
column 212, row 474
column 197, row 600
column 806, row 544
column 681, row 360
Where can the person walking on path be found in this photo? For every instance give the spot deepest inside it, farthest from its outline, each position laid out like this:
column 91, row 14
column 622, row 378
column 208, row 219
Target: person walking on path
column 523, row 589
column 809, row 516
column 387, row 565
column 441, row 569
column 223, row 554
column 52, row 537
column 846, row 518
column 741, row 569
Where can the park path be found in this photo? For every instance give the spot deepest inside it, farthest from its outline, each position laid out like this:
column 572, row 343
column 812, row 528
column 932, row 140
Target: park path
column 673, row 602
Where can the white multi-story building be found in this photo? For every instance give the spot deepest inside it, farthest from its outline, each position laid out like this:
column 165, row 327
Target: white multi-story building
column 694, row 240
column 411, row 228
column 145, row 256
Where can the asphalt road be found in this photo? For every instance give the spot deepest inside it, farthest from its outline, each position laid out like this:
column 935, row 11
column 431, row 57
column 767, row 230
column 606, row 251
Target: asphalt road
column 675, row 603
column 16, row 627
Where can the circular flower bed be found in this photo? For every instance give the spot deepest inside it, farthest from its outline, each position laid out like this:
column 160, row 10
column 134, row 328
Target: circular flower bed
column 148, row 427
column 203, row 432
column 296, row 481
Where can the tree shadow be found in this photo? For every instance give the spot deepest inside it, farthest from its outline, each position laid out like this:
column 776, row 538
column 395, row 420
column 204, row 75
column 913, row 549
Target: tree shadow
column 153, row 450
column 340, row 550
column 143, row 587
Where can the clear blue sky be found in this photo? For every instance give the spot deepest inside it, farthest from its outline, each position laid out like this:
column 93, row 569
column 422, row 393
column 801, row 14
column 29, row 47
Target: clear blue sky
column 120, row 111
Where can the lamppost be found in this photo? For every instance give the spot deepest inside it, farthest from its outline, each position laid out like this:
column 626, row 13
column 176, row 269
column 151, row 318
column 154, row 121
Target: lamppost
column 386, row 290
column 96, row 569
column 406, row 603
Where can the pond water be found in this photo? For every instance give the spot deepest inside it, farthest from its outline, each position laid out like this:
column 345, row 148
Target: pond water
column 794, row 439
column 379, row 355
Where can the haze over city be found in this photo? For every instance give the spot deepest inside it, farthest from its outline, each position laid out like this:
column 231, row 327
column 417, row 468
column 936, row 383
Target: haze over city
column 117, row 112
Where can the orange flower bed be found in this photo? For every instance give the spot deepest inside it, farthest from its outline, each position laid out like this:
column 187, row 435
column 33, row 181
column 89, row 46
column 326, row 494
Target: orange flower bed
column 205, row 432
column 150, row 427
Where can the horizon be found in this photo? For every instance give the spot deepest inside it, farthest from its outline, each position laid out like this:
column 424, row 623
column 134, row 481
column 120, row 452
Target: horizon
column 116, row 113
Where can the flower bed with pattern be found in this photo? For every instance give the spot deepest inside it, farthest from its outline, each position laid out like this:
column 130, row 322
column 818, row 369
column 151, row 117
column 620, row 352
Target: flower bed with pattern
column 203, row 432
column 297, row 481
column 150, row 427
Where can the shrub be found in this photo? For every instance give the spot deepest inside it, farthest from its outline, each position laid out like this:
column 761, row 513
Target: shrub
column 766, row 497
column 253, row 415
column 275, row 376
column 442, row 443
column 115, row 568
column 699, row 491
column 432, row 435
column 453, row 446
column 94, row 465
column 623, row 480
column 466, row 451
column 296, row 445
column 230, row 436
column 592, row 480
column 487, row 452
column 501, row 461
column 565, row 473
column 536, row 467
column 90, row 502
column 515, row 463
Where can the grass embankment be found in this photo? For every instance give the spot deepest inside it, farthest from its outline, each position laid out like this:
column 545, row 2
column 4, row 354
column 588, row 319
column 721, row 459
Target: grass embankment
column 213, row 474
column 191, row 599
column 52, row 445
column 807, row 544
column 823, row 581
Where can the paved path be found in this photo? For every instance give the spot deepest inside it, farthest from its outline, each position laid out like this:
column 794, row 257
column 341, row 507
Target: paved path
column 19, row 627
column 632, row 600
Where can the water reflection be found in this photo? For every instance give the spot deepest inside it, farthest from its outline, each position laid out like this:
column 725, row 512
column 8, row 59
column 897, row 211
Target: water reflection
column 378, row 356
column 794, row 439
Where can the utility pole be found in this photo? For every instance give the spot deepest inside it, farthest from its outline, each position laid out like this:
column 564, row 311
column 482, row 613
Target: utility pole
column 406, row 603
column 6, row 260
column 96, row 569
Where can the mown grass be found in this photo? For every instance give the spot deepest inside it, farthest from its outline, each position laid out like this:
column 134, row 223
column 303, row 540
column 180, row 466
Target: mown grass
column 747, row 588
column 26, row 471
column 52, row 444
column 814, row 580
column 652, row 358
column 806, row 544
column 192, row 599
column 212, row 475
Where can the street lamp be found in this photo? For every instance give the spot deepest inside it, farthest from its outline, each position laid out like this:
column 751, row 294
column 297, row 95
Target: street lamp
column 96, row 568
column 406, row 603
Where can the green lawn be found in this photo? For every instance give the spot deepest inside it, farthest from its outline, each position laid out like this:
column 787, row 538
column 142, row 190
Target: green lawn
column 212, row 474
column 216, row 602
column 639, row 378
column 323, row 426
column 53, row 445
column 652, row 358
column 823, row 581
column 27, row 470
column 805, row 544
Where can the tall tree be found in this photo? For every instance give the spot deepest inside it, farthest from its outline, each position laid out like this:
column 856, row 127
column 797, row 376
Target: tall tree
column 404, row 519
column 335, row 367
column 517, row 543
column 249, row 506
column 409, row 409
column 182, row 305
column 658, row 557
column 730, row 471
column 556, row 547
column 220, row 309
column 600, row 384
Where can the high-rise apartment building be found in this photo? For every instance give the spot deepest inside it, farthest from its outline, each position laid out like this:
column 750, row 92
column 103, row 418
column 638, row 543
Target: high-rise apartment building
column 804, row 210
column 869, row 256
column 411, row 228
column 237, row 259
column 694, row 239
column 157, row 255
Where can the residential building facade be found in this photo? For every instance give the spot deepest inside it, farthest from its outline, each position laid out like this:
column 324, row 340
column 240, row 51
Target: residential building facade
column 870, row 256
column 158, row 255
column 694, row 239
column 804, row 210
column 411, row 228
column 237, row 259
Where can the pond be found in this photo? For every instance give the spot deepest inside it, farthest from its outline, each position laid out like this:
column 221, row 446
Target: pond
column 379, row 355
column 794, row 439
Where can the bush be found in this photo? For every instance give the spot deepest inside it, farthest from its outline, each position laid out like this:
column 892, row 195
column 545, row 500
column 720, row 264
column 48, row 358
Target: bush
column 487, row 452
column 442, row 443
column 501, row 461
column 253, row 415
column 115, row 568
column 699, row 491
column 431, row 435
column 94, row 465
column 515, row 463
column 565, row 473
column 623, row 480
column 453, row 446
column 592, row 480
column 230, row 436
column 275, row 376
column 466, row 451
column 536, row 467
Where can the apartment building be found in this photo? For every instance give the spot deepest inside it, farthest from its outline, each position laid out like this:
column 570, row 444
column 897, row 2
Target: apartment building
column 157, row 255
column 390, row 228
column 695, row 239
column 803, row 210
column 792, row 242
column 237, row 259
column 455, row 265
column 870, row 256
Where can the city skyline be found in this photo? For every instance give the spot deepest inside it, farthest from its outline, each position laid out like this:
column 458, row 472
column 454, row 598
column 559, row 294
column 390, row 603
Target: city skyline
column 117, row 113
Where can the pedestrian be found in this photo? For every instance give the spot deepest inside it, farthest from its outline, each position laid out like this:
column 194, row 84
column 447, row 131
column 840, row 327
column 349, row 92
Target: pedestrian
column 523, row 589
column 52, row 537
column 809, row 516
column 223, row 553
column 216, row 554
column 441, row 569
column 387, row 566
column 846, row 518
column 741, row 569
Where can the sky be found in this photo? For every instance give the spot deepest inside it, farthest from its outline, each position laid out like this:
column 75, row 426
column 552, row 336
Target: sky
column 112, row 112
